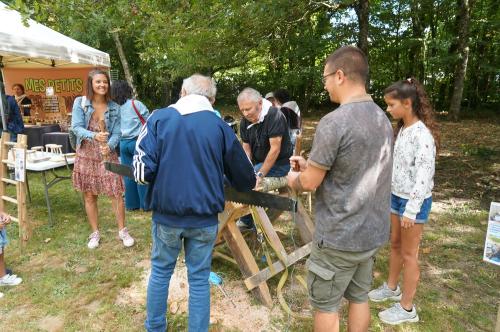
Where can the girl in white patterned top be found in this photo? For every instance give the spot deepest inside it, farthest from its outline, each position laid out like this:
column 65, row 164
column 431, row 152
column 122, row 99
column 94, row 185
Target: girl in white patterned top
column 416, row 140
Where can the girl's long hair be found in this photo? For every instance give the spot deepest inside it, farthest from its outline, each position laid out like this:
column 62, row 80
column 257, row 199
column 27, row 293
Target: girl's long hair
column 412, row 89
column 121, row 92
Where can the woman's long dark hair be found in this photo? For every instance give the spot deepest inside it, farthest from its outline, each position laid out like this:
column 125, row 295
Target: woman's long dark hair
column 121, row 92
column 413, row 90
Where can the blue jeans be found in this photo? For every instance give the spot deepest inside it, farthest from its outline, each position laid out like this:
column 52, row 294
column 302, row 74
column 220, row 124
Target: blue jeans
column 198, row 246
column 275, row 171
column 134, row 192
column 4, row 240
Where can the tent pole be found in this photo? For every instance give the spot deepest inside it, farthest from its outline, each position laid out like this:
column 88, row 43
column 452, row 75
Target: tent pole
column 3, row 105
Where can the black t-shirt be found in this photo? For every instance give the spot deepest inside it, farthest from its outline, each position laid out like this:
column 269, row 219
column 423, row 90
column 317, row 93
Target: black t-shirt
column 258, row 136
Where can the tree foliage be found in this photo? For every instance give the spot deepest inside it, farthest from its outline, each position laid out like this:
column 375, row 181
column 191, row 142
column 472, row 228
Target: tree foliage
column 277, row 43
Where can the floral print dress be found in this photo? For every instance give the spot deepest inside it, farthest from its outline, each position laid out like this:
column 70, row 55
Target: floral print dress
column 89, row 174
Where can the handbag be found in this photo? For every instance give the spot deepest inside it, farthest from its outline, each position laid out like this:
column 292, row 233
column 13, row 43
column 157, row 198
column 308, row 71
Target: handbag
column 138, row 114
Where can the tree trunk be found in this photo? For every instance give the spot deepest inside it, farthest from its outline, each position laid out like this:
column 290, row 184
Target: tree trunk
column 124, row 61
column 397, row 60
column 362, row 11
column 431, row 72
column 463, row 56
column 416, row 54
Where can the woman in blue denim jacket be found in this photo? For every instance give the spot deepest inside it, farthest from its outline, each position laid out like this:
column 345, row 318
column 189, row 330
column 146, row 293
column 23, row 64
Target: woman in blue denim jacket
column 95, row 144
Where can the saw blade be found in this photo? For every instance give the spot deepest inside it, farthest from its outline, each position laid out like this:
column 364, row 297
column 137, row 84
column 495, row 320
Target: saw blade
column 255, row 198
column 120, row 169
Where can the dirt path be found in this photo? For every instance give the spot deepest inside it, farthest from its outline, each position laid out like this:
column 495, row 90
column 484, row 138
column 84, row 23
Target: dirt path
column 245, row 315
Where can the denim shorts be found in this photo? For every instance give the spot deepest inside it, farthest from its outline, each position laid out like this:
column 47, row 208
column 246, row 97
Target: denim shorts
column 3, row 239
column 398, row 206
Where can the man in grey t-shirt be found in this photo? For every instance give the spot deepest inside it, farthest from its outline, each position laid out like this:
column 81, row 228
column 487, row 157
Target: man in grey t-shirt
column 350, row 166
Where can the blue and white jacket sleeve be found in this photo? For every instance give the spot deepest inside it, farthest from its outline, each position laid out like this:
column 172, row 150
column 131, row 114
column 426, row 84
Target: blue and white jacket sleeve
column 145, row 161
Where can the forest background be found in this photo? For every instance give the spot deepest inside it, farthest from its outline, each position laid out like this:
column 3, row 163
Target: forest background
column 452, row 46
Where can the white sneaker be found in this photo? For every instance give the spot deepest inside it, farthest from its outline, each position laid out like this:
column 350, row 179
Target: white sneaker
column 10, row 280
column 397, row 315
column 1, row 295
column 94, row 239
column 128, row 241
column 384, row 293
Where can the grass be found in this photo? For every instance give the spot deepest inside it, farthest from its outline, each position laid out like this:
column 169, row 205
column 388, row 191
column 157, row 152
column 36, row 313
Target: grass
column 67, row 287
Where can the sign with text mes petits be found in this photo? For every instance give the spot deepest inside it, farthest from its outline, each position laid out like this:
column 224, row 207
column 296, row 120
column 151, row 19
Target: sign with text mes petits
column 68, row 83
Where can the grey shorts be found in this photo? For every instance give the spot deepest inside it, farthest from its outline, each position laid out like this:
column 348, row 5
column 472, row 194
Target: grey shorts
column 334, row 274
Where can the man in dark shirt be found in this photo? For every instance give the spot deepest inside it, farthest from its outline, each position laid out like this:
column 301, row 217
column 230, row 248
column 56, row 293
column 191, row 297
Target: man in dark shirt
column 266, row 141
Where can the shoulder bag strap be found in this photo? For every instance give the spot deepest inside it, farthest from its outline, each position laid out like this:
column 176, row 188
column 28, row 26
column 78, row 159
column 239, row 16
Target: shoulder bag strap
column 138, row 114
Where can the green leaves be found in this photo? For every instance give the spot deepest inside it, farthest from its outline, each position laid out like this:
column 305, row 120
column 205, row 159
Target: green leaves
column 278, row 43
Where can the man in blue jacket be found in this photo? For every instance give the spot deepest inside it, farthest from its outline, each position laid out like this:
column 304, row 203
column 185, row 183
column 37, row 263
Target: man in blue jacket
column 183, row 152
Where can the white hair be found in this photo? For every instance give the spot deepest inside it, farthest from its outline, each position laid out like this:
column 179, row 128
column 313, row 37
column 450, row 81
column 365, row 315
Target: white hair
column 249, row 94
column 200, row 85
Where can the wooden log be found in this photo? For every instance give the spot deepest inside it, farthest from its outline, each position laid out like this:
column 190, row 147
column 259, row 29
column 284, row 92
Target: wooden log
column 272, row 183
column 266, row 274
column 246, row 261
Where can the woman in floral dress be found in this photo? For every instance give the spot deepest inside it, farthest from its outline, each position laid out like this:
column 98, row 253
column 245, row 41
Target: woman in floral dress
column 95, row 145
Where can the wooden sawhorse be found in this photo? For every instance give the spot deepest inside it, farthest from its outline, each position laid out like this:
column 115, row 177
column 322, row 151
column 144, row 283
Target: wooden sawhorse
column 254, row 278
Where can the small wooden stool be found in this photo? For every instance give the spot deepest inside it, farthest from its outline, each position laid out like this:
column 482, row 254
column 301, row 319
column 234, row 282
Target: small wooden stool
column 53, row 148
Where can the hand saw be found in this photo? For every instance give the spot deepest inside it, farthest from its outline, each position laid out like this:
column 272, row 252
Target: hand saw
column 249, row 197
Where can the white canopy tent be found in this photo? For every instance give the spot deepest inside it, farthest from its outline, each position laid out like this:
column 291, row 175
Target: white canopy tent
column 36, row 45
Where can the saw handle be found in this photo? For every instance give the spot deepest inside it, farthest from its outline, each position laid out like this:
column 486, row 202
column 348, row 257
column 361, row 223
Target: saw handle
column 296, row 150
column 102, row 129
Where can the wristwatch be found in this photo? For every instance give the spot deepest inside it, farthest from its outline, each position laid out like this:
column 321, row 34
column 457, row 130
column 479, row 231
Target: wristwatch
column 260, row 174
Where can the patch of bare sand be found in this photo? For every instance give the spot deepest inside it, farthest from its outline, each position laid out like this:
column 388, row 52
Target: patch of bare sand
column 244, row 316
column 93, row 306
column 135, row 295
column 51, row 324
column 42, row 262
column 442, row 206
